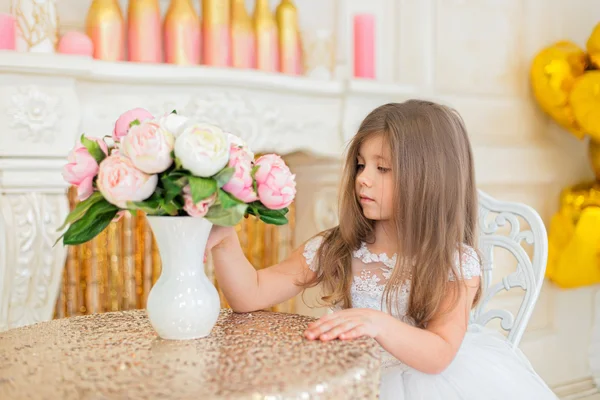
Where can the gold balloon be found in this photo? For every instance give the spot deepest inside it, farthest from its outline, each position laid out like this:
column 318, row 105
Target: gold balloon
column 593, row 46
column 553, row 73
column 574, row 238
column 594, row 154
column 585, row 102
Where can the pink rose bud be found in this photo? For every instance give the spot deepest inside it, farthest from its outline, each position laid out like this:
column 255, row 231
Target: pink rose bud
column 82, row 168
column 240, row 184
column 199, row 209
column 124, row 122
column 276, row 183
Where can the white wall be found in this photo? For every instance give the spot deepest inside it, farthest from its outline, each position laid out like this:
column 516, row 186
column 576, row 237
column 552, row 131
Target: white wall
column 474, row 55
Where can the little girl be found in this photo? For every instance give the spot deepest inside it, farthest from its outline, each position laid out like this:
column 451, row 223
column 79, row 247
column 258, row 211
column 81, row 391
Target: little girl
column 401, row 266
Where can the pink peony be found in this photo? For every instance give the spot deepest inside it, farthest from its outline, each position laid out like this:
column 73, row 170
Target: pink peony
column 238, row 142
column 82, row 168
column 124, row 122
column 199, row 209
column 240, row 184
column 149, row 147
column 276, row 183
column 119, row 181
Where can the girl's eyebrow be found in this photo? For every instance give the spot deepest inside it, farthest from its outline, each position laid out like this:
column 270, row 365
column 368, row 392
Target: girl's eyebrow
column 379, row 157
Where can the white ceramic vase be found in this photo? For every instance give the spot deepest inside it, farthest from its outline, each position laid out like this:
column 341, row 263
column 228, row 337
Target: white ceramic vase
column 183, row 303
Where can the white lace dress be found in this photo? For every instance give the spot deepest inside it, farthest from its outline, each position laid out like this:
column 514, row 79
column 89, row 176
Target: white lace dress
column 485, row 367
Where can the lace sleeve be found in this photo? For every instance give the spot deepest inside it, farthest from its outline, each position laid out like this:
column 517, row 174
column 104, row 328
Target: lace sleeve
column 469, row 263
column 310, row 250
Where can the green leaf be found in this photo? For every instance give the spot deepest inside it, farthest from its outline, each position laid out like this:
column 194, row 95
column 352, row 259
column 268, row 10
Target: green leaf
column 227, row 200
column 91, row 224
column 223, row 176
column 149, row 206
column 226, row 217
column 80, row 209
column 179, row 173
column 274, row 213
column 254, row 170
column 174, row 112
column 279, row 220
column 178, row 164
column 173, row 186
column 202, row 188
column 169, row 207
column 134, row 123
column 274, row 217
column 93, row 148
column 262, row 210
column 253, row 175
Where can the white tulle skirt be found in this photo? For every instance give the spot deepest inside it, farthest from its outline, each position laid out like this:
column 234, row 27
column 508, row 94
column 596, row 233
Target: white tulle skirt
column 485, row 368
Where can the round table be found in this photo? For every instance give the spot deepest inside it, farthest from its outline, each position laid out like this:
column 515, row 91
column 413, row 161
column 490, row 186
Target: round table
column 260, row 355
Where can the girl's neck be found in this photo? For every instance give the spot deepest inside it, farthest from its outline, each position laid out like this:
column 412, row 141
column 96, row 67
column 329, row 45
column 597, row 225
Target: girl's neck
column 385, row 239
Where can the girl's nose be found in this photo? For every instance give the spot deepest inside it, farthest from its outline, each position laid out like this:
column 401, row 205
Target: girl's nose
column 363, row 180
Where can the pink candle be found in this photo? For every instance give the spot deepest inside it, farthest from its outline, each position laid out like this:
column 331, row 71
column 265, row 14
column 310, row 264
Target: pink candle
column 364, row 46
column 7, row 32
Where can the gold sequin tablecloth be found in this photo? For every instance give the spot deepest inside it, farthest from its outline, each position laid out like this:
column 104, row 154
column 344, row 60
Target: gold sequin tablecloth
column 260, row 355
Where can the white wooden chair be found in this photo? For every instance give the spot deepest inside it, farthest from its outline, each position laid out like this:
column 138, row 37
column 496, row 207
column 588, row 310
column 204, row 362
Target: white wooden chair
column 529, row 274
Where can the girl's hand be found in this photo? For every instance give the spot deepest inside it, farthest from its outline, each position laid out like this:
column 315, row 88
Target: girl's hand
column 346, row 324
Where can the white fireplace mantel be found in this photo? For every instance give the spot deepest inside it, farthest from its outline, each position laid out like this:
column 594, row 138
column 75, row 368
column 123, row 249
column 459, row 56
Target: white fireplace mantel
column 48, row 100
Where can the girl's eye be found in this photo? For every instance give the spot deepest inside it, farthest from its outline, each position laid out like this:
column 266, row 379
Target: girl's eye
column 360, row 167
column 383, row 169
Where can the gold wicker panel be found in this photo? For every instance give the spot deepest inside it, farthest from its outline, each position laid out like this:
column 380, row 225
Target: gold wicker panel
column 116, row 270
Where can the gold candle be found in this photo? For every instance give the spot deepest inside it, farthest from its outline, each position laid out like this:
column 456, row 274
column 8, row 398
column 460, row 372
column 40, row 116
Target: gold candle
column 243, row 50
column 106, row 28
column 144, row 33
column 216, row 37
column 289, row 38
column 265, row 30
column 182, row 33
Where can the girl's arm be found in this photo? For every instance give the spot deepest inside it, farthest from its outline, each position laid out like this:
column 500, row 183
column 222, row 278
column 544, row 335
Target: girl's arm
column 428, row 350
column 247, row 289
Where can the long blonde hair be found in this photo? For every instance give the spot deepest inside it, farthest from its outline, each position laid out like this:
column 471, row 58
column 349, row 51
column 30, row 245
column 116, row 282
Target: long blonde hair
column 435, row 207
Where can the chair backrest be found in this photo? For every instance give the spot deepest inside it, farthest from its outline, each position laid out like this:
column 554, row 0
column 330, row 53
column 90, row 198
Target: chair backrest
column 529, row 274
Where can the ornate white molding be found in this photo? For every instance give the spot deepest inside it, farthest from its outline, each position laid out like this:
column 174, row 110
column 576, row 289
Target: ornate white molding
column 34, row 114
column 30, row 268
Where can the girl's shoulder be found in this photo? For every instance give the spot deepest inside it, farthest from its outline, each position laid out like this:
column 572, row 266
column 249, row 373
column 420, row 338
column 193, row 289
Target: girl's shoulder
column 468, row 262
column 310, row 251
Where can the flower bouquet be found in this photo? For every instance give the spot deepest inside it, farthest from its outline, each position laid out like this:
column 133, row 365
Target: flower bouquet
column 186, row 176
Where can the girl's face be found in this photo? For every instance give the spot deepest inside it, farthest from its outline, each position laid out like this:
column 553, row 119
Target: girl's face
column 374, row 179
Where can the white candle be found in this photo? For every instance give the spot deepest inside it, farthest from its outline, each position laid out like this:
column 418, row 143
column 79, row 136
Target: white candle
column 37, row 25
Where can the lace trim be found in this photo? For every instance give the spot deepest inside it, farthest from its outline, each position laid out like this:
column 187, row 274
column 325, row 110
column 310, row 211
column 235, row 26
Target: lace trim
column 310, row 250
column 469, row 263
column 367, row 257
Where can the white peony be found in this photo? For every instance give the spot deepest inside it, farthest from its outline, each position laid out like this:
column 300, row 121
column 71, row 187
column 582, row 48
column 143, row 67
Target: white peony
column 174, row 123
column 202, row 149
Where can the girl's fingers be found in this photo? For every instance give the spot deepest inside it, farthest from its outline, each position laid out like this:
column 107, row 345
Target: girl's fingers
column 339, row 330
